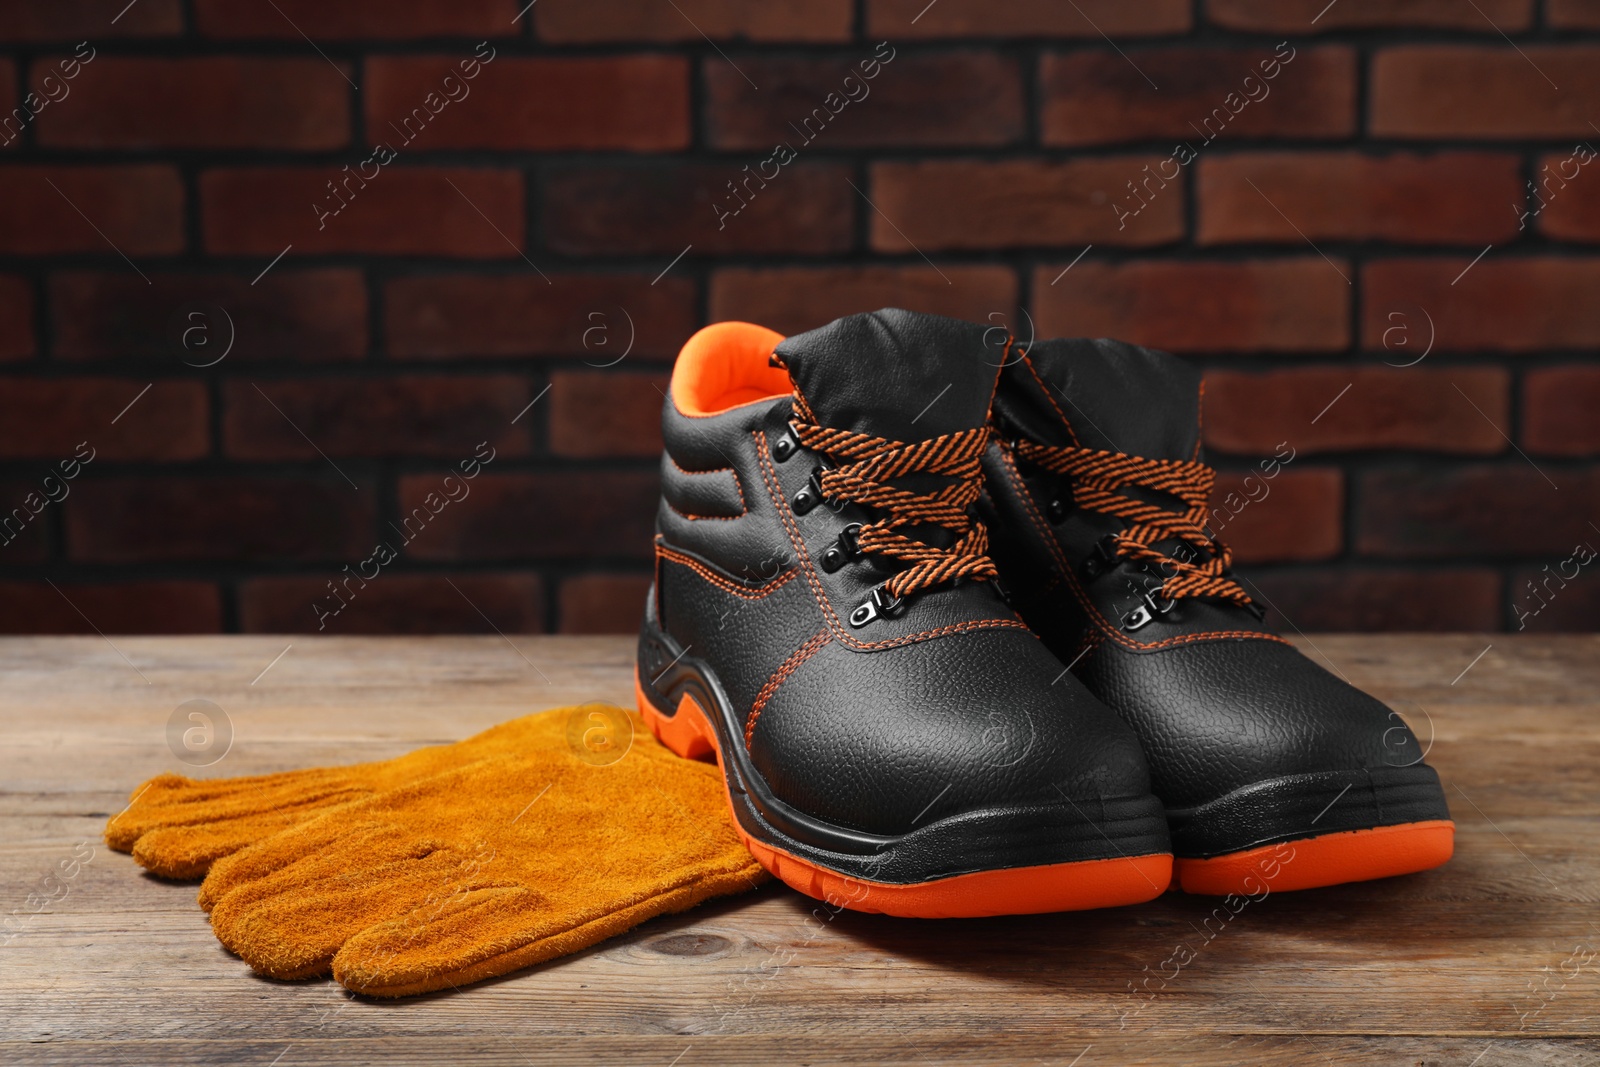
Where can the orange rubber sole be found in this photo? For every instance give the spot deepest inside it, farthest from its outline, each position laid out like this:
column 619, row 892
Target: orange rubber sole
column 1073, row 886
column 1331, row 859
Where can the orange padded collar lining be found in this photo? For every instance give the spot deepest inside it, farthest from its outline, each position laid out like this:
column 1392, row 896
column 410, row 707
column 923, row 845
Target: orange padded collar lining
column 725, row 365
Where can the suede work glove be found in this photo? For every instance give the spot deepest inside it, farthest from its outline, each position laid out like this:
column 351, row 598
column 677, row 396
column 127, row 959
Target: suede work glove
column 177, row 827
column 488, row 867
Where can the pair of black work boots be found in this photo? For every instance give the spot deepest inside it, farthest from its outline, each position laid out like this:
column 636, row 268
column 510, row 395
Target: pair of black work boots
column 948, row 615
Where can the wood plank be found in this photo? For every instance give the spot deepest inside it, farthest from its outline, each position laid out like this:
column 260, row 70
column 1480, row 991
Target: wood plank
column 737, row 1051
column 1493, row 959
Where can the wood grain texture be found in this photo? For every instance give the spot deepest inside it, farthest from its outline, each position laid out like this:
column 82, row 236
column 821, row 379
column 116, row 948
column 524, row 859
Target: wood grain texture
column 1493, row 959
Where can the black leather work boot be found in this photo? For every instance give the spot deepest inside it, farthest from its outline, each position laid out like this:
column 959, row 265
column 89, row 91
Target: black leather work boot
column 823, row 619
column 1274, row 772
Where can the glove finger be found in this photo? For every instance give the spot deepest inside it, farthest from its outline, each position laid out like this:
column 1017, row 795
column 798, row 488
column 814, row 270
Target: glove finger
column 170, row 800
column 320, row 847
column 496, row 930
column 173, row 800
column 291, row 927
column 187, row 852
column 123, row 828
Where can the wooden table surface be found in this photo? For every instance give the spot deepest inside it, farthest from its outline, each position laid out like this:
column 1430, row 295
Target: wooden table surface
column 1493, row 959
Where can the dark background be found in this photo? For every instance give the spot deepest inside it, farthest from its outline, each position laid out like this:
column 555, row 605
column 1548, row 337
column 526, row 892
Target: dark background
column 513, row 249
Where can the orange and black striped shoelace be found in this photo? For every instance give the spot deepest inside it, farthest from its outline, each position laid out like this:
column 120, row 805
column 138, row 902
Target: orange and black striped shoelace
column 1098, row 480
column 867, row 467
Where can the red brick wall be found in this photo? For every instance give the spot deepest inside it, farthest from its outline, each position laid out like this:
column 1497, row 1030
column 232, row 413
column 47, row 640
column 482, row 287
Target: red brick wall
column 409, row 241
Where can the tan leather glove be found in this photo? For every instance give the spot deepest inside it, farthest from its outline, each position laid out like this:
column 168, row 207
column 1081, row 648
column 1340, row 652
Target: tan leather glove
column 482, row 869
column 177, row 827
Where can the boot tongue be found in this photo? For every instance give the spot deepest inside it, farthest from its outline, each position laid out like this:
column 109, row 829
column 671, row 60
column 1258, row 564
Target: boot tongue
column 896, row 374
column 1114, row 396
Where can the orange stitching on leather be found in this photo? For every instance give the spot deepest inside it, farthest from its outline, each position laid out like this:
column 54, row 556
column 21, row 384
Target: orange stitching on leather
column 769, row 477
column 744, row 507
column 869, row 464
column 727, row 585
column 1116, row 633
column 994, row 387
column 1091, row 642
column 779, row 676
column 802, row 407
column 1098, row 476
column 1008, row 464
column 737, row 484
column 699, row 518
column 1109, row 628
column 1062, row 415
column 1065, row 571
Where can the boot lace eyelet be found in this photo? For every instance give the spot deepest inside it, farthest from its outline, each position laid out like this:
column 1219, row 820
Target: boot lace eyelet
column 1104, row 558
column 880, row 604
column 843, row 550
column 874, row 473
column 784, row 448
column 810, row 494
column 1146, row 612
